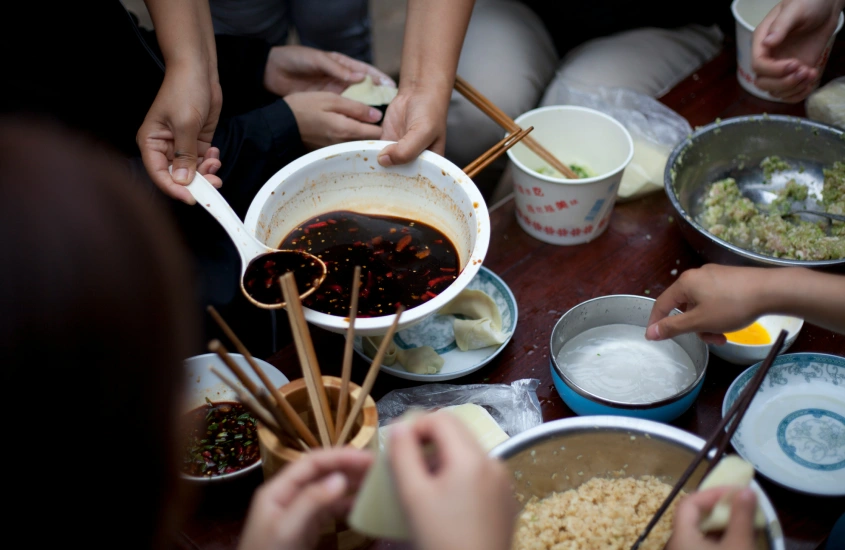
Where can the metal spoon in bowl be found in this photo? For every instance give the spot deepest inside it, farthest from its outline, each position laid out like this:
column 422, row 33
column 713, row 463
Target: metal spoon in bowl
column 261, row 266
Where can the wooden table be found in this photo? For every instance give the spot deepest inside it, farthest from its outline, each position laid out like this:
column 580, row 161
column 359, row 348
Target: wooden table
column 636, row 255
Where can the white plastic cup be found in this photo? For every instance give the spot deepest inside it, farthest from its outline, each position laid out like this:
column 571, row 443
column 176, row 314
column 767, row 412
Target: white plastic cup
column 748, row 14
column 569, row 211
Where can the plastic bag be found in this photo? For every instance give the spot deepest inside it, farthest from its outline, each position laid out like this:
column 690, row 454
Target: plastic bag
column 654, row 128
column 515, row 407
column 827, row 104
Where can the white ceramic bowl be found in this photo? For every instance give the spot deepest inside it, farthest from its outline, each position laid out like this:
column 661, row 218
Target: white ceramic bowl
column 564, row 211
column 747, row 354
column 201, row 383
column 348, row 177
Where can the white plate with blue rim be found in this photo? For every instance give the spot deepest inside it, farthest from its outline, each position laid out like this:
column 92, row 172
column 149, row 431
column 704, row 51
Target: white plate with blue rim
column 436, row 331
column 794, row 430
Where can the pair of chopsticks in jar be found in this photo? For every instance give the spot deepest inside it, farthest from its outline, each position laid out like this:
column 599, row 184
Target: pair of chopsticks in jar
column 272, row 408
column 499, row 117
column 721, row 435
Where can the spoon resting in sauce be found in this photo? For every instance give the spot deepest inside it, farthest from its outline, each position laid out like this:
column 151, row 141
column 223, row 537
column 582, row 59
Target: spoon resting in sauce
column 261, row 266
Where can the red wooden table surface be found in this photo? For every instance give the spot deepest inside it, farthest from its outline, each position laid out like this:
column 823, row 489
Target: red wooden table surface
column 636, row 255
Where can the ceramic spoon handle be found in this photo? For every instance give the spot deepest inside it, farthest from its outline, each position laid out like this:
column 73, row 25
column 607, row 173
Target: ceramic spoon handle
column 211, row 199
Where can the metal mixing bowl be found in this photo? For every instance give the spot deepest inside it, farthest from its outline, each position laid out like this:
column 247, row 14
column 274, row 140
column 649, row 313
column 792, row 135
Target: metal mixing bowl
column 734, row 148
column 562, row 454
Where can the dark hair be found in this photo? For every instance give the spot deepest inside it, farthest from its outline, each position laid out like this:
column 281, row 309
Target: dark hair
column 96, row 316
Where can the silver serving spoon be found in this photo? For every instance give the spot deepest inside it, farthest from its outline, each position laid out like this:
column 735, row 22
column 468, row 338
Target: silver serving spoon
column 261, row 266
column 762, row 199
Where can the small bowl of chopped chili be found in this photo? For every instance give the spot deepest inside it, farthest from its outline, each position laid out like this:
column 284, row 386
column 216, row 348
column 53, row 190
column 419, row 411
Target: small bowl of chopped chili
column 419, row 231
column 220, row 434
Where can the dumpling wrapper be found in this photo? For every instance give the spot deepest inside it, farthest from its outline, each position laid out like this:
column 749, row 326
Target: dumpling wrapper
column 477, row 334
column 482, row 326
column 377, row 511
column 369, row 93
column 419, row 360
column 731, row 471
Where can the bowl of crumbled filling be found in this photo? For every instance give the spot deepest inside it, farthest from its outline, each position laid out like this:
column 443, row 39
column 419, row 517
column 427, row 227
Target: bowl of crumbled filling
column 738, row 186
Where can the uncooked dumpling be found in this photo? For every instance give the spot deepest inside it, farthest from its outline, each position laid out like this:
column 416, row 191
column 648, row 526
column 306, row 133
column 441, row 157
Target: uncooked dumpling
column 480, row 422
column 474, row 304
column 731, row 471
column 370, row 345
column 368, row 92
column 477, row 334
column 482, row 325
column 420, row 360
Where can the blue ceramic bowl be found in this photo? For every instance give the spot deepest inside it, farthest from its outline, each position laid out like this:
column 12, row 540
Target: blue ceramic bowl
column 632, row 310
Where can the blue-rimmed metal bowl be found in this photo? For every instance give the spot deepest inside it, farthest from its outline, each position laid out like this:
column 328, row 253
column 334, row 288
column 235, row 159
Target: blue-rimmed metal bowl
column 631, row 310
column 794, row 430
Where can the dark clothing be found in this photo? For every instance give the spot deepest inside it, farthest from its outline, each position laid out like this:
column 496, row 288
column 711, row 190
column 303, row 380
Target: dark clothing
column 573, row 23
column 90, row 66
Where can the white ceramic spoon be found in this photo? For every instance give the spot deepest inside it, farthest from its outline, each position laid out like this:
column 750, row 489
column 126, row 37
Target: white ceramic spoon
column 251, row 249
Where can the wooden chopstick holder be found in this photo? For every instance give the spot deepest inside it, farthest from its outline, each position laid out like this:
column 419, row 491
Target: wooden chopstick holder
column 370, row 379
column 499, row 117
column 287, row 409
column 308, row 361
column 720, row 438
column 346, row 371
column 479, row 164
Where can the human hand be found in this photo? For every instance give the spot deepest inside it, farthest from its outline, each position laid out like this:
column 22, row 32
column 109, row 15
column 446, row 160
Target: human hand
column 715, row 299
column 693, row 508
column 209, row 165
column 288, row 510
column 325, row 118
column 466, row 501
column 179, row 127
column 293, row 69
column 416, row 119
column 788, row 43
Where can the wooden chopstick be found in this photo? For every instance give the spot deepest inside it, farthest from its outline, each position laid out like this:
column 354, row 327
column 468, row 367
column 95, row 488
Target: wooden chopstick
column 287, row 409
column 346, row 371
column 221, row 351
column 251, row 403
column 367, row 386
column 308, row 360
column 721, row 437
column 499, row 117
column 495, row 152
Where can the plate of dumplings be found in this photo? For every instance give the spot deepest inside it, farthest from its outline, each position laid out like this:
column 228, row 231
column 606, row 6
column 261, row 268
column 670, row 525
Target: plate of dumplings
column 466, row 334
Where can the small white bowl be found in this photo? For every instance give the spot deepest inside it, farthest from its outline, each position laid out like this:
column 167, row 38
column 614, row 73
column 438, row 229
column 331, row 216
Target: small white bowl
column 201, row 383
column 745, row 354
column 347, row 176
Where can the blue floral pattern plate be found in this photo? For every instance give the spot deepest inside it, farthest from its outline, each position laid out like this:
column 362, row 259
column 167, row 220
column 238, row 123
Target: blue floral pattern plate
column 794, row 430
column 436, row 331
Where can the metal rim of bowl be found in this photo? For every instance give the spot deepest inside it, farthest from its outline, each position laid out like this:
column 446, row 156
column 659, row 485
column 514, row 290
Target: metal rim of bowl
column 626, row 424
column 619, row 404
column 681, row 148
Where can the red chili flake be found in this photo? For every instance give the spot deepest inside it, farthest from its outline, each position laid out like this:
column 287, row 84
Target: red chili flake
column 332, row 222
column 448, row 269
column 268, row 264
column 306, row 231
column 318, row 224
column 438, row 280
column 379, row 251
column 376, row 240
column 397, row 305
column 403, row 242
column 428, row 295
column 405, row 230
column 389, row 274
column 423, row 253
column 438, row 241
column 353, row 229
column 336, row 288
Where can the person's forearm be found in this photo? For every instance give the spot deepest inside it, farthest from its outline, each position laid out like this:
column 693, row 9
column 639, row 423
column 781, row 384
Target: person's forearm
column 816, row 297
column 434, row 35
column 185, row 33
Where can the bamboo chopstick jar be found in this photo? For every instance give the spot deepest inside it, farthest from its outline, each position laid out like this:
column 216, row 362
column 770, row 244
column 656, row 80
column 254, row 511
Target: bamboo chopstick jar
column 364, row 435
